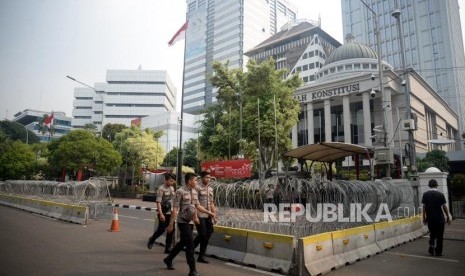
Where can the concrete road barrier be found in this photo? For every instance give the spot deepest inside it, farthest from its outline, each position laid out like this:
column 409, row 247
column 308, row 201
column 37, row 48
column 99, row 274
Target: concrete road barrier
column 270, row 251
column 66, row 212
column 228, row 244
column 316, row 255
column 354, row 244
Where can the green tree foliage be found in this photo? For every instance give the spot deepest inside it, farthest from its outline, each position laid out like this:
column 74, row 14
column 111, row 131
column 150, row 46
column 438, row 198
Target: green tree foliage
column 15, row 131
column 435, row 158
column 79, row 149
column 258, row 91
column 16, row 160
column 139, row 148
column 110, row 131
column 91, row 128
column 171, row 158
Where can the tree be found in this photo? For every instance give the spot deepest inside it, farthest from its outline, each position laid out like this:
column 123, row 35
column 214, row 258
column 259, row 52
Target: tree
column 140, row 149
column 79, row 149
column 16, row 131
column 91, row 128
column 171, row 158
column 190, row 153
column 435, row 158
column 258, row 92
column 16, row 160
column 110, row 131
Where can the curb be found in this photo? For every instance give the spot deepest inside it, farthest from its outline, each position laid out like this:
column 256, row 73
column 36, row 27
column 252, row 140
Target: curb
column 134, row 207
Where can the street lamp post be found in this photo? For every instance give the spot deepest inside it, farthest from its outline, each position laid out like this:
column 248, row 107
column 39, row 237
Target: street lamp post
column 406, row 83
column 98, row 93
column 385, row 97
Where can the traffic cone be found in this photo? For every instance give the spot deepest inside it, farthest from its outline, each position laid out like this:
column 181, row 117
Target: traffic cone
column 115, row 221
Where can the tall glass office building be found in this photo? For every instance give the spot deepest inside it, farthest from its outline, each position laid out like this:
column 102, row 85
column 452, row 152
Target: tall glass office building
column 223, row 30
column 432, row 38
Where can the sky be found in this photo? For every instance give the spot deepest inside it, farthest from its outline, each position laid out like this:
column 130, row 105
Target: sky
column 43, row 41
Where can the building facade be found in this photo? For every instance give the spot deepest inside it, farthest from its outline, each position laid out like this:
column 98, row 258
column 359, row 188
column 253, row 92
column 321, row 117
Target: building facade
column 126, row 95
column 432, row 38
column 32, row 120
column 222, row 30
column 300, row 47
column 168, row 122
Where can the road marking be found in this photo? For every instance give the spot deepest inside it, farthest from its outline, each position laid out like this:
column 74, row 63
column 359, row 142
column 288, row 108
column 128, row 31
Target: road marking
column 128, row 217
column 253, row 269
column 423, row 257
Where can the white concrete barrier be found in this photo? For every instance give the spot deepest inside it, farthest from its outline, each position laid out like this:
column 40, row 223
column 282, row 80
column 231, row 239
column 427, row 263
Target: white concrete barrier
column 316, row 255
column 354, row 244
column 66, row 212
column 270, row 251
column 228, row 244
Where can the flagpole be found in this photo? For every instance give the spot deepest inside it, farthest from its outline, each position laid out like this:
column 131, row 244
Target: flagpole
column 180, row 153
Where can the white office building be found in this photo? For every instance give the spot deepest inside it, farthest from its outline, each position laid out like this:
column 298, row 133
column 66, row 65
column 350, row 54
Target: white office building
column 169, row 123
column 126, row 95
column 223, row 30
column 432, row 38
column 32, row 120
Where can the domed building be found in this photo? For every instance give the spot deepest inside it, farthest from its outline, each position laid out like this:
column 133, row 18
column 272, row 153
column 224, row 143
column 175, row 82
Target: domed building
column 345, row 103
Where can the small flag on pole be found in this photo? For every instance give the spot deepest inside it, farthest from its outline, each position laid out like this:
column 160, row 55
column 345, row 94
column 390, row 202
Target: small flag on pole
column 48, row 121
column 180, row 34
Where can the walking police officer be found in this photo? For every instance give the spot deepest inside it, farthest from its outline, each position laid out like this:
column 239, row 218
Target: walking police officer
column 185, row 208
column 165, row 196
column 205, row 226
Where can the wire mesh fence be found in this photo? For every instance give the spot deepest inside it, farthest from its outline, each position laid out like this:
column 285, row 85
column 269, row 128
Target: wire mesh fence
column 242, row 204
column 92, row 193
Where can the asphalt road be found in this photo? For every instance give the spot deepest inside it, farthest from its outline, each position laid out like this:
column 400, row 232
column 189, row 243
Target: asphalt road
column 36, row 245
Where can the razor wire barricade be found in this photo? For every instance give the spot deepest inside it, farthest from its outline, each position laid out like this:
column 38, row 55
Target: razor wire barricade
column 241, row 204
column 92, row 193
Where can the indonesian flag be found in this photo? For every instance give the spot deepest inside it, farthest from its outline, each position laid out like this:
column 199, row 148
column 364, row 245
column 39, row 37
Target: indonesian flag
column 136, row 122
column 180, row 34
column 48, row 121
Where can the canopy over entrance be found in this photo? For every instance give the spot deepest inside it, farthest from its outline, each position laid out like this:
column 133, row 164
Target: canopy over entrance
column 327, row 151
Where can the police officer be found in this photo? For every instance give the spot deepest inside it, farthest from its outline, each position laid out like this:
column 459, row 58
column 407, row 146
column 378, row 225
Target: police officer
column 205, row 226
column 185, row 208
column 165, row 196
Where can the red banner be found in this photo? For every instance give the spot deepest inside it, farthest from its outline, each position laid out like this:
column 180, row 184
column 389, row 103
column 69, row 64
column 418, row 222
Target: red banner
column 228, row 169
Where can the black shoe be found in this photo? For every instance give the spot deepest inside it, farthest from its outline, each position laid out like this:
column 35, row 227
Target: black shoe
column 431, row 251
column 169, row 263
column 194, row 273
column 439, row 255
column 149, row 244
column 167, row 251
column 202, row 260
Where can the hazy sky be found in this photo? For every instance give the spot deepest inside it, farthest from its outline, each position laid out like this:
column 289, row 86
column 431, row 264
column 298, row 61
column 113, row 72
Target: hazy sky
column 42, row 41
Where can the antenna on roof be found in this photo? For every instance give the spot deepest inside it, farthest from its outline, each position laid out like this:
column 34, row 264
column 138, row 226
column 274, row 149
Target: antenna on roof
column 319, row 20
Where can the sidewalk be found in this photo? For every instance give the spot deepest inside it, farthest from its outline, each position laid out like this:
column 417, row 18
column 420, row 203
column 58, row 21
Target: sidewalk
column 455, row 231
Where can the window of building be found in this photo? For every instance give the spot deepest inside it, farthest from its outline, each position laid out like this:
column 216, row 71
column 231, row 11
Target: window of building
column 311, row 54
column 332, row 70
column 348, row 66
column 366, row 66
column 374, row 66
column 339, row 68
column 305, row 56
column 305, row 79
column 312, row 78
column 357, row 66
column 305, row 67
column 298, row 69
column 311, row 65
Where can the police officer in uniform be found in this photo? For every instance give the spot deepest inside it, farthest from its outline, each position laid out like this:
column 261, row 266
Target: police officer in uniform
column 185, row 208
column 165, row 196
column 205, row 226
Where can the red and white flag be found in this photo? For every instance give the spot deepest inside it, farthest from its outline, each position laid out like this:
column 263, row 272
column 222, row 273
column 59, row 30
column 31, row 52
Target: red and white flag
column 180, row 34
column 48, row 121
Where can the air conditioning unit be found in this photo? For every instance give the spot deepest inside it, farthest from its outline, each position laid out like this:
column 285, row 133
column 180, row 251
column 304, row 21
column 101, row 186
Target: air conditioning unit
column 384, row 156
column 408, row 125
